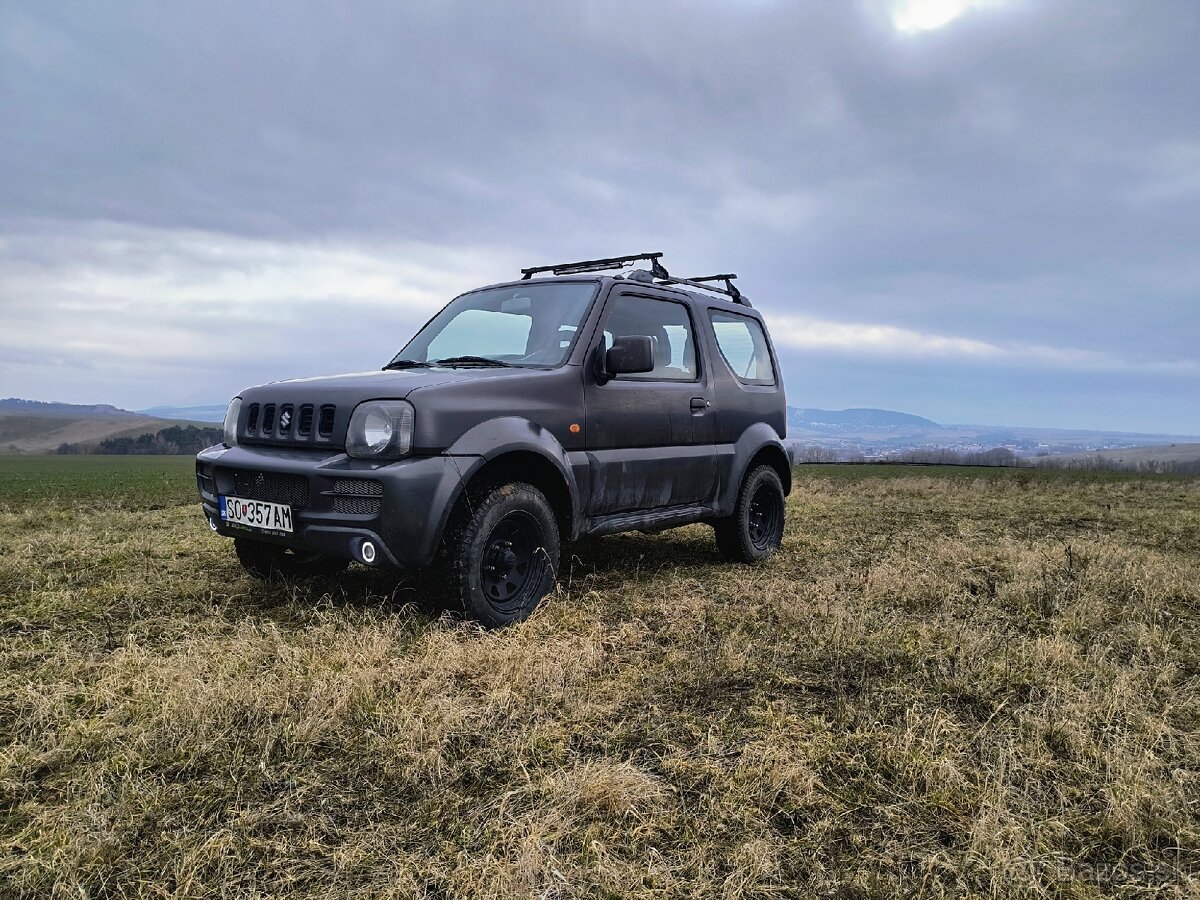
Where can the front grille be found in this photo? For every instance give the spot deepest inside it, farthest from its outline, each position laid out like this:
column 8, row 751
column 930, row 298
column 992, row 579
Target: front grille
column 363, row 487
column 272, row 487
column 204, row 480
column 357, row 496
column 325, row 427
column 289, row 424
column 356, row 506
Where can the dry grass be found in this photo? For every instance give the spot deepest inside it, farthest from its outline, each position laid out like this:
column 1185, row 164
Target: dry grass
column 984, row 684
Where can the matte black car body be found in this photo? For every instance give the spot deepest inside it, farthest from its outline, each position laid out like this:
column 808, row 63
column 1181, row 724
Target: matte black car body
column 613, row 456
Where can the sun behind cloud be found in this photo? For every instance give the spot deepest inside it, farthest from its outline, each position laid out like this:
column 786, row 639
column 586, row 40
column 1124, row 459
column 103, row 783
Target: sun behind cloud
column 911, row 16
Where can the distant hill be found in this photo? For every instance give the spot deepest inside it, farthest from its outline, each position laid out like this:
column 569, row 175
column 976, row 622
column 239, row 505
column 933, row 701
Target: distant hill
column 31, row 426
column 883, row 433
column 212, row 413
column 42, row 408
column 856, row 418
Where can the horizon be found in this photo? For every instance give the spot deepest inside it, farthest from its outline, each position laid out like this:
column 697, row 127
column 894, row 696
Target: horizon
column 979, row 210
column 158, row 407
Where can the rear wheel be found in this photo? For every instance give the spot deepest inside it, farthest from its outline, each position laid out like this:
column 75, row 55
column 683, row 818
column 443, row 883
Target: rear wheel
column 272, row 562
column 500, row 555
column 755, row 530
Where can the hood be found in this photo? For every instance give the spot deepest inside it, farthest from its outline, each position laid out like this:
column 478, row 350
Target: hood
column 355, row 387
column 315, row 412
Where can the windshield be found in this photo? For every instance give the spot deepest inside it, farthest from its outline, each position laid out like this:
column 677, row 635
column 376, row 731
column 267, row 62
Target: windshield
column 527, row 325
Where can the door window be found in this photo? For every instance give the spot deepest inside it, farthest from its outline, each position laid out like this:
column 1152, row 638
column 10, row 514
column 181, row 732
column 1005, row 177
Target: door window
column 669, row 328
column 744, row 346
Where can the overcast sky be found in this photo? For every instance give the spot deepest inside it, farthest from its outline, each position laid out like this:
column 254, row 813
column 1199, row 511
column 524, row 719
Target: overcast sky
column 974, row 210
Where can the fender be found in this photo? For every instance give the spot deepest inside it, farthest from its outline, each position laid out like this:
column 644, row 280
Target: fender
column 494, row 438
column 735, row 459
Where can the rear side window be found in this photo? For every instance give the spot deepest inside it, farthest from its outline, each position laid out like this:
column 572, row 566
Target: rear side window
column 744, row 346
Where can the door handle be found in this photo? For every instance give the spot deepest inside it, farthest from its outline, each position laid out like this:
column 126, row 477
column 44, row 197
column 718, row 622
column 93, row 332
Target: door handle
column 699, row 404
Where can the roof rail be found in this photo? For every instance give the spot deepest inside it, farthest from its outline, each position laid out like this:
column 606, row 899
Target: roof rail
column 599, row 265
column 730, row 290
column 657, row 271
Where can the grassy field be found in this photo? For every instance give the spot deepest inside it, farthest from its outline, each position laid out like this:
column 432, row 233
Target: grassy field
column 949, row 682
column 95, row 482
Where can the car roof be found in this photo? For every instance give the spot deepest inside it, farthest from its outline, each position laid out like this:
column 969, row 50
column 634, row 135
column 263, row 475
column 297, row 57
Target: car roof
column 673, row 291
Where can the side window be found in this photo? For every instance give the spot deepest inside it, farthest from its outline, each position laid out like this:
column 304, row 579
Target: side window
column 668, row 326
column 744, row 347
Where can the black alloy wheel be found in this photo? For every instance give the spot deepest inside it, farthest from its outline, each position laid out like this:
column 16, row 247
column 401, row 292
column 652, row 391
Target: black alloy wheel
column 755, row 530
column 500, row 553
column 765, row 519
column 510, row 558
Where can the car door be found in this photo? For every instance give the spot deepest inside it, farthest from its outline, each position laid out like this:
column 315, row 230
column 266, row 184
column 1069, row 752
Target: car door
column 649, row 436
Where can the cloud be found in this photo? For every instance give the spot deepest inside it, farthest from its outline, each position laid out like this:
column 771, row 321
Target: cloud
column 1173, row 173
column 912, row 16
column 1012, row 189
column 148, row 308
column 889, row 341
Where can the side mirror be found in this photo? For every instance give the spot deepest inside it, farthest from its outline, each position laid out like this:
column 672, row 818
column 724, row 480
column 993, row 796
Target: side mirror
column 629, row 355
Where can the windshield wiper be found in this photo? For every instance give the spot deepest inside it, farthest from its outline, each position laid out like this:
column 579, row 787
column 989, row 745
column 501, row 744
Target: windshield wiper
column 472, row 361
column 407, row 364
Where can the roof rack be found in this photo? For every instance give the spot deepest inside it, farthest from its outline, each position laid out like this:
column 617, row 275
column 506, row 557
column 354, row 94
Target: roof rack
column 598, row 265
column 657, row 271
column 730, row 290
column 730, row 287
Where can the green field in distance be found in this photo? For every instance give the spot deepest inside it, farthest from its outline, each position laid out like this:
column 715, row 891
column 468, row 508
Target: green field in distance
column 129, row 481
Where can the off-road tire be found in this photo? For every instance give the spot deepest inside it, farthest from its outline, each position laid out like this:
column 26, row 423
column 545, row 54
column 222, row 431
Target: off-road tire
column 271, row 562
column 755, row 529
column 500, row 554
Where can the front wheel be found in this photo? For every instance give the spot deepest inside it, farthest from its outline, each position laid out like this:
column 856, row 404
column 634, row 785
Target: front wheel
column 755, row 530
column 271, row 562
column 500, row 555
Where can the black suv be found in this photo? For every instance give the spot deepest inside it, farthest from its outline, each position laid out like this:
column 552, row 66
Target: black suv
column 521, row 416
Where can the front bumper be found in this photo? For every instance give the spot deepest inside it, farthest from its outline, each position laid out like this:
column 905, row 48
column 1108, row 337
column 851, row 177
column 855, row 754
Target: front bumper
column 338, row 502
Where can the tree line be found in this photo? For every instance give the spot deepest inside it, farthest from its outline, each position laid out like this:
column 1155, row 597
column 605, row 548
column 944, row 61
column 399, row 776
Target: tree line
column 1002, row 456
column 174, row 440
column 1104, row 464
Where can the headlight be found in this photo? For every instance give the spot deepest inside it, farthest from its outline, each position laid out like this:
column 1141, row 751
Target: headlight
column 232, row 414
column 380, row 429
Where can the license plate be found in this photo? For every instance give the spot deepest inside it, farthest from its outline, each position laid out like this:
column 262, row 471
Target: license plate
column 257, row 514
